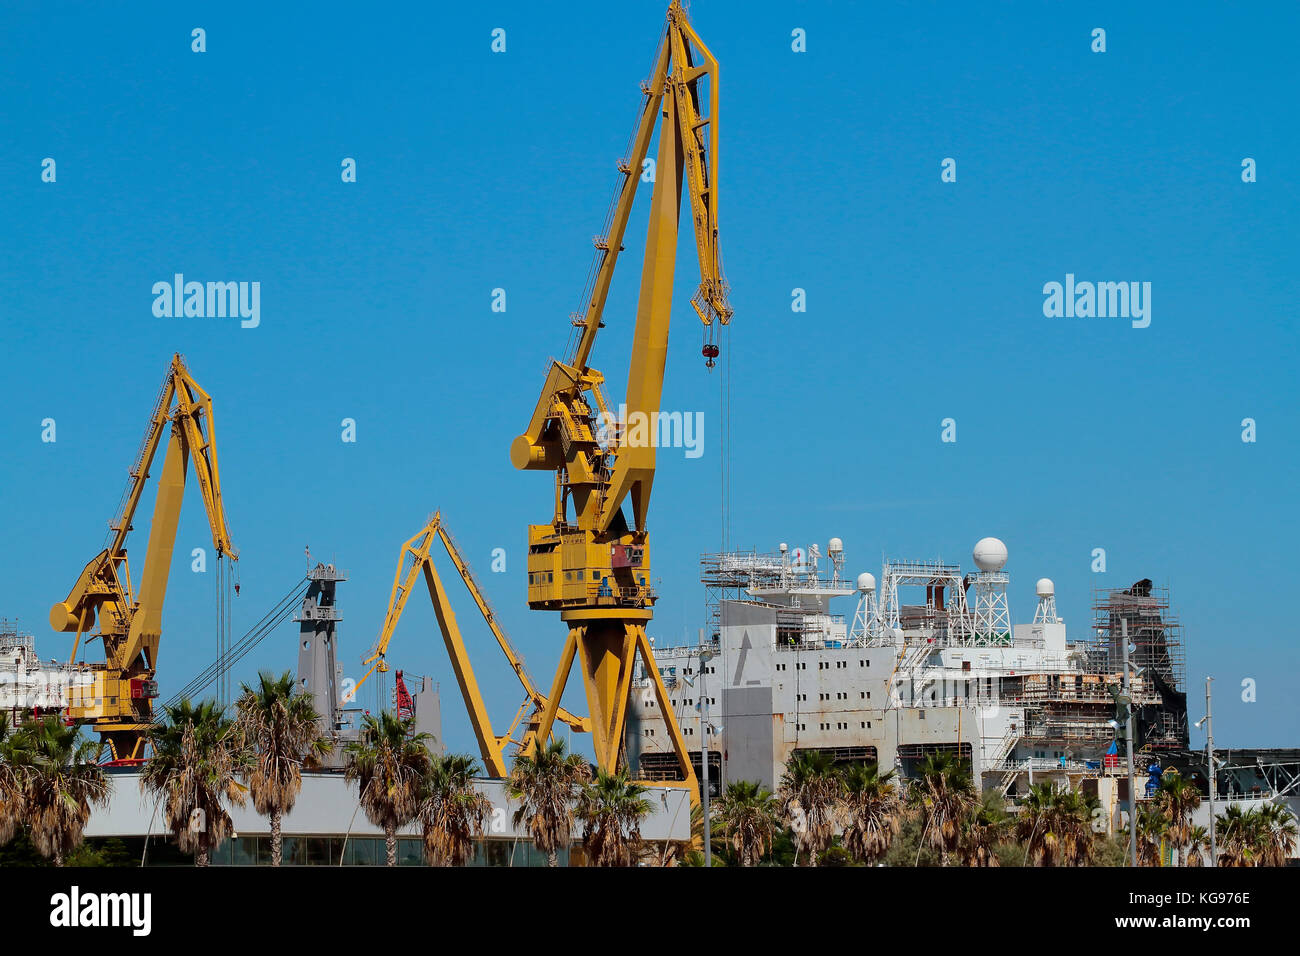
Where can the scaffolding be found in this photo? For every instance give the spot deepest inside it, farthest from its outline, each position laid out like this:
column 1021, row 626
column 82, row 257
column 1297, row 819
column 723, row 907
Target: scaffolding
column 1155, row 634
column 740, row 575
column 945, row 616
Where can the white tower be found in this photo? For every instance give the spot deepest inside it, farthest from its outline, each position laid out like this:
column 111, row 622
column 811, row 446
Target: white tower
column 866, row 619
column 1046, row 612
column 835, row 550
column 992, row 617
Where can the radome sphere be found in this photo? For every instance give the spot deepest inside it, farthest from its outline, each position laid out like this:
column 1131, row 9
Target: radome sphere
column 990, row 554
column 835, row 546
column 1045, row 587
column 866, row 581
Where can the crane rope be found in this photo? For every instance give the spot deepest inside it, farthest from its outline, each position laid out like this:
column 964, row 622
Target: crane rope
column 219, row 669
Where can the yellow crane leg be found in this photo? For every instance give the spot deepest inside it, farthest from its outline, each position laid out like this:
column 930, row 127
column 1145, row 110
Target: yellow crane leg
column 478, row 715
column 557, row 687
column 607, row 643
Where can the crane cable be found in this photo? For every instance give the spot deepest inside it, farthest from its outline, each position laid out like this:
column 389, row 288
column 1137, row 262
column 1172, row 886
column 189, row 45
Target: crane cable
column 724, row 442
column 219, row 669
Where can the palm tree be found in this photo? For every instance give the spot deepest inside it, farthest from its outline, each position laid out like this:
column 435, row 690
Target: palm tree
column 1078, row 812
column 611, row 809
column 197, row 761
column 60, row 781
column 389, row 762
column 546, row 784
column 872, row 811
column 1056, row 826
column 810, row 798
column 985, row 825
column 1177, row 798
column 1240, row 837
column 451, row 810
column 1153, row 828
column 747, row 817
column 12, row 778
column 1279, row 831
column 1198, row 844
column 283, row 732
column 942, row 794
column 1036, row 826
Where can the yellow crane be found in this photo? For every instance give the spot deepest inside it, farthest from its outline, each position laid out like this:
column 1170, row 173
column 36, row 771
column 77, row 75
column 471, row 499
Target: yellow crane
column 594, row 565
column 119, row 702
column 417, row 557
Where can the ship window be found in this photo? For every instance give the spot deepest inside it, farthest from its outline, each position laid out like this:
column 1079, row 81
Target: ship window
column 920, row 715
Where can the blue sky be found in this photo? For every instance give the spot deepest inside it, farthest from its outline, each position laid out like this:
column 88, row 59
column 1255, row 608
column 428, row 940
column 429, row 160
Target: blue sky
column 479, row 170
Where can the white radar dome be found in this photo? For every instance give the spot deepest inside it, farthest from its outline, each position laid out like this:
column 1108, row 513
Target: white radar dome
column 1045, row 587
column 990, row 554
column 835, row 547
column 866, row 581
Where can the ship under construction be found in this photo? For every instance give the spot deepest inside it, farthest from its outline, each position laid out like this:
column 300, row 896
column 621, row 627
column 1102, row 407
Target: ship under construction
column 930, row 661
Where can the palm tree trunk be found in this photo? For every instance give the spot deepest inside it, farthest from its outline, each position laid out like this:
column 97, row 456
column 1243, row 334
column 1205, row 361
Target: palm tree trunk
column 390, row 839
column 277, row 843
column 58, row 856
column 201, row 856
column 552, row 858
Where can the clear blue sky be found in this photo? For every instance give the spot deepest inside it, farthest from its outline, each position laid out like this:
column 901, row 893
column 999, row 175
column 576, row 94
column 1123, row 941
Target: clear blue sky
column 479, row 170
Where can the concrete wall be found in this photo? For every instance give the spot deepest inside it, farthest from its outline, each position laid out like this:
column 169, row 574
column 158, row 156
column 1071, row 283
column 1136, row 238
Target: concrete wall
column 328, row 805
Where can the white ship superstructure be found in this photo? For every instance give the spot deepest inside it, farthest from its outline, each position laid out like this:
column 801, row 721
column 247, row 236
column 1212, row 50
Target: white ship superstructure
column 932, row 661
column 30, row 685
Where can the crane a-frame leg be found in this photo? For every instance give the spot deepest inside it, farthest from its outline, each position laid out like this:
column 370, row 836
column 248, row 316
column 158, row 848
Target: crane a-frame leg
column 606, row 644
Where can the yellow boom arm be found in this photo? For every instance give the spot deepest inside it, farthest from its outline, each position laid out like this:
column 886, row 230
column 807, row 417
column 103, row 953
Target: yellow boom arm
column 416, row 557
column 557, row 435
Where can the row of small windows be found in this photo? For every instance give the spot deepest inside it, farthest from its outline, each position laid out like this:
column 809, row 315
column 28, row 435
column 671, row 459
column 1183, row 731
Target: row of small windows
column 687, row 670
column 822, row 665
column 842, row 725
column 547, row 577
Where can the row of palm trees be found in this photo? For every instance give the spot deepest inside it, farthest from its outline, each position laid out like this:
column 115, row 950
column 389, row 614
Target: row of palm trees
column 49, row 780
column 820, row 802
column 1262, row 836
column 204, row 763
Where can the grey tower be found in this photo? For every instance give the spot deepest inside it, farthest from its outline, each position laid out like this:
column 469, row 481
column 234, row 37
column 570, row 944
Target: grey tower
column 318, row 671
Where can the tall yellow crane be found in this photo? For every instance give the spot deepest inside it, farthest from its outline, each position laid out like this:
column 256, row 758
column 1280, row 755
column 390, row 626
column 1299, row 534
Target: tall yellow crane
column 417, row 557
column 119, row 702
column 594, row 565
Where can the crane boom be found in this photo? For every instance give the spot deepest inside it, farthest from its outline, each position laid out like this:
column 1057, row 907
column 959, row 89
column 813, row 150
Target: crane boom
column 119, row 703
column 416, row 558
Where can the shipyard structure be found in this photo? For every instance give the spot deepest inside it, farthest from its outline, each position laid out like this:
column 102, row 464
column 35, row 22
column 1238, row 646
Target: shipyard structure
column 930, row 661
